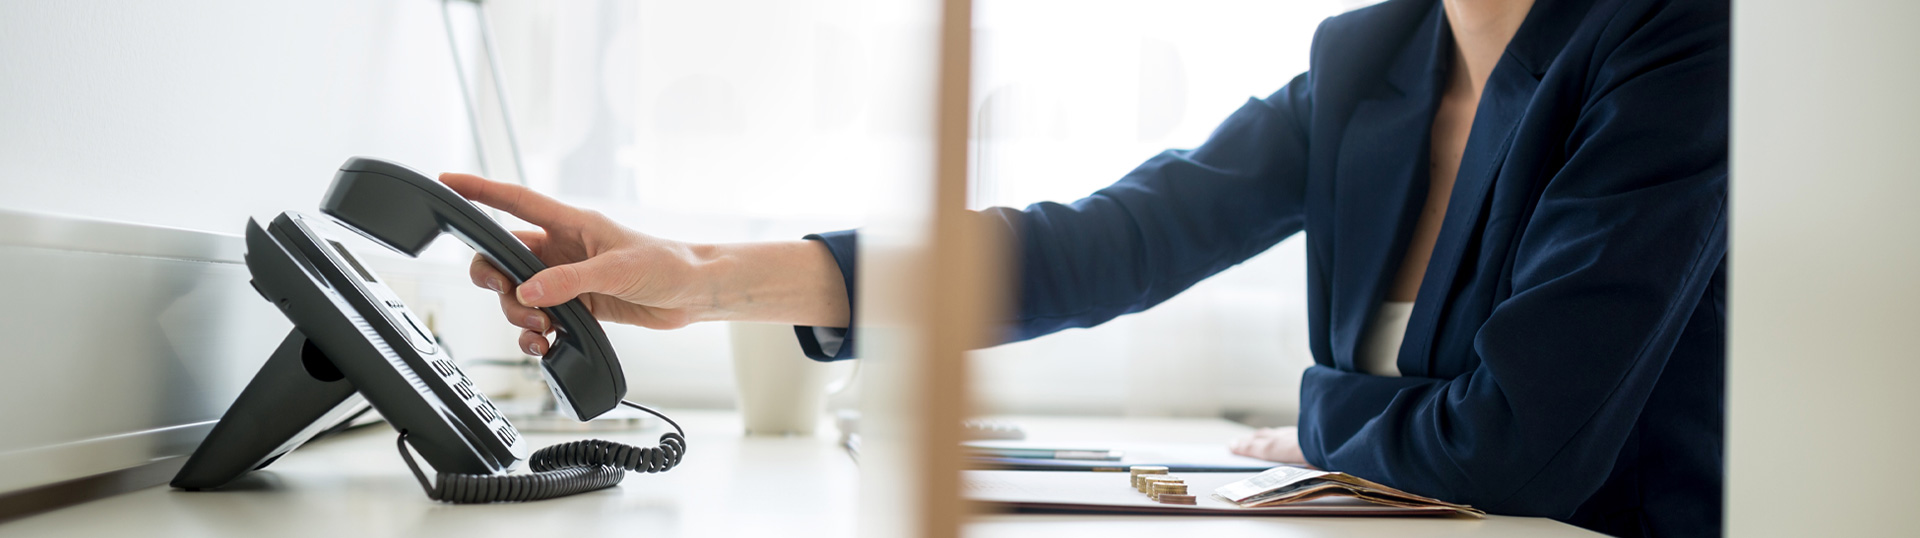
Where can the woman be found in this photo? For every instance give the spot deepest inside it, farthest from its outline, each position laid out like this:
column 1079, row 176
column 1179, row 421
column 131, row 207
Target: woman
column 1516, row 246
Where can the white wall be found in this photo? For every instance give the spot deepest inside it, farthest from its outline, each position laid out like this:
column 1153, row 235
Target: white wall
column 1825, row 302
column 196, row 114
column 126, row 340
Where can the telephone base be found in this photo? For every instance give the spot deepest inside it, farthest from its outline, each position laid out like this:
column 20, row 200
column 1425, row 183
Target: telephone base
column 297, row 394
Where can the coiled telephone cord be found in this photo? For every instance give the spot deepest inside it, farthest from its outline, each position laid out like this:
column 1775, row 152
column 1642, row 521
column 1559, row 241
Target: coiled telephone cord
column 559, row 470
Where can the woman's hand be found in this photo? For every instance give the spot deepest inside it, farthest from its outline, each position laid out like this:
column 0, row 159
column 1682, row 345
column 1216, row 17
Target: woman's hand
column 629, row 277
column 1272, row 444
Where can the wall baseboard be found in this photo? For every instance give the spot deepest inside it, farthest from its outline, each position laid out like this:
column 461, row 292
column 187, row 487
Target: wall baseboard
column 41, row 499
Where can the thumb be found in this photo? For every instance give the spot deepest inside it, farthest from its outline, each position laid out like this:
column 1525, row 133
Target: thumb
column 561, row 283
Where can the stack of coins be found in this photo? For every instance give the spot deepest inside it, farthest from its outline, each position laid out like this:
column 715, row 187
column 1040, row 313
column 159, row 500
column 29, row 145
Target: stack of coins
column 1164, row 487
column 1168, row 492
column 1154, row 481
column 1148, row 482
column 1138, row 471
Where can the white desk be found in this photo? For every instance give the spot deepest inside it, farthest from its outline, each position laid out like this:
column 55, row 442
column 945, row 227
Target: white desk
column 729, row 485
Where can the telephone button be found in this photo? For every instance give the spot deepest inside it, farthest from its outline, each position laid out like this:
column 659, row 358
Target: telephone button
column 420, row 338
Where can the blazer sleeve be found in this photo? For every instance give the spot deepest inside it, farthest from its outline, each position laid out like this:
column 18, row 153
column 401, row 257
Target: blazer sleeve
column 1181, row 216
column 1615, row 258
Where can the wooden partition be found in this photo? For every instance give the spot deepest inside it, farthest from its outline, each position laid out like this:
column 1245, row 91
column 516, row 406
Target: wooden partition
column 930, row 281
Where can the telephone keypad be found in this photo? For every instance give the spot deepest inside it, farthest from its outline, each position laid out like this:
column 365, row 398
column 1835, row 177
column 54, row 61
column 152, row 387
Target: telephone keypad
column 481, row 405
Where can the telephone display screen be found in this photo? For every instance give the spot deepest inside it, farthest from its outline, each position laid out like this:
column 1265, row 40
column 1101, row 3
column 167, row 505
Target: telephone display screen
column 337, row 247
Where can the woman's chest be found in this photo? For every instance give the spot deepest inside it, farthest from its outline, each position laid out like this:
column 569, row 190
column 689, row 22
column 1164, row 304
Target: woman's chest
column 1376, row 209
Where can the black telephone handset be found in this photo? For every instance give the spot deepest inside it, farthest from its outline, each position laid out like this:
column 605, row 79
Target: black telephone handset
column 355, row 343
column 405, row 211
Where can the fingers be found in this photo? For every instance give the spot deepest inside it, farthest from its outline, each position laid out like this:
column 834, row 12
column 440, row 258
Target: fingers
column 533, row 343
column 485, row 275
column 561, row 283
column 522, row 202
column 535, row 240
column 524, row 317
column 1258, row 448
column 1252, row 446
column 1271, row 444
column 533, row 323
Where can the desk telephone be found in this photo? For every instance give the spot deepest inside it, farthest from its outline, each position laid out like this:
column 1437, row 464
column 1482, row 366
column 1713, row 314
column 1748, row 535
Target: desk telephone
column 354, row 344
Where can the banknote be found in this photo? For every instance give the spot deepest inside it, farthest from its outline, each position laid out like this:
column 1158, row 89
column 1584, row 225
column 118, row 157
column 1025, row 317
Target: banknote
column 1289, row 484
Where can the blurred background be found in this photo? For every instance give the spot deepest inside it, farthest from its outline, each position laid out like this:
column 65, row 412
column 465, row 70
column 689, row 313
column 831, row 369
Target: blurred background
column 745, row 120
column 732, row 120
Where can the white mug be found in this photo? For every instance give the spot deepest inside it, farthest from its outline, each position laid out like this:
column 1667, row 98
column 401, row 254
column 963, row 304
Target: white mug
column 779, row 389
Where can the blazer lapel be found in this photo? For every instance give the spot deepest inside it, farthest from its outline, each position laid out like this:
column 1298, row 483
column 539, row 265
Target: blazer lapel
column 1502, row 103
column 1381, row 184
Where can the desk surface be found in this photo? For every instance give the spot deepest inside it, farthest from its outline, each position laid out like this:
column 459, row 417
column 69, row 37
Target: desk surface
column 729, row 485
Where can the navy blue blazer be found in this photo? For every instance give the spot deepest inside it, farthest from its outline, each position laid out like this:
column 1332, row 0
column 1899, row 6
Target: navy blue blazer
column 1565, row 356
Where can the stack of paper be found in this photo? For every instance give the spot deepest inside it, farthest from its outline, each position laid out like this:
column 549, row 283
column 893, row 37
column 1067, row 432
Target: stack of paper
column 1287, row 485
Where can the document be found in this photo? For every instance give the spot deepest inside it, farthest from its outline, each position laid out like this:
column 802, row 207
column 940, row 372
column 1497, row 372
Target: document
column 1070, row 491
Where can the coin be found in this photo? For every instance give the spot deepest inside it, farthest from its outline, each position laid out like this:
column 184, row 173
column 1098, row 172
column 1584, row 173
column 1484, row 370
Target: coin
column 1161, row 488
column 1175, row 499
column 1146, row 482
column 1137, row 471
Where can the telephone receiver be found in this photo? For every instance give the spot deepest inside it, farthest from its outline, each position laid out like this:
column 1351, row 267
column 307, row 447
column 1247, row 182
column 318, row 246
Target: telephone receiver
column 405, row 211
column 355, row 344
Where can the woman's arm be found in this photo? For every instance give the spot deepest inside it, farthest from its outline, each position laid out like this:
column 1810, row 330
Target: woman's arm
column 1180, row 217
column 629, row 277
column 1176, row 219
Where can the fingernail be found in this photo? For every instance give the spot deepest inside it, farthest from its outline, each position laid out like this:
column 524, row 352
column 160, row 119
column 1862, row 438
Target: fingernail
column 495, row 285
column 535, row 322
column 530, row 292
column 534, row 349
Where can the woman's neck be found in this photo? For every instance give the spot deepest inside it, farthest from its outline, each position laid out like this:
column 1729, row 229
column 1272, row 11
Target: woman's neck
column 1481, row 30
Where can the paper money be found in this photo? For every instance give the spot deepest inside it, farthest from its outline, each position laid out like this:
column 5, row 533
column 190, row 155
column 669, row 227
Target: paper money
column 1287, row 484
column 1275, row 479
